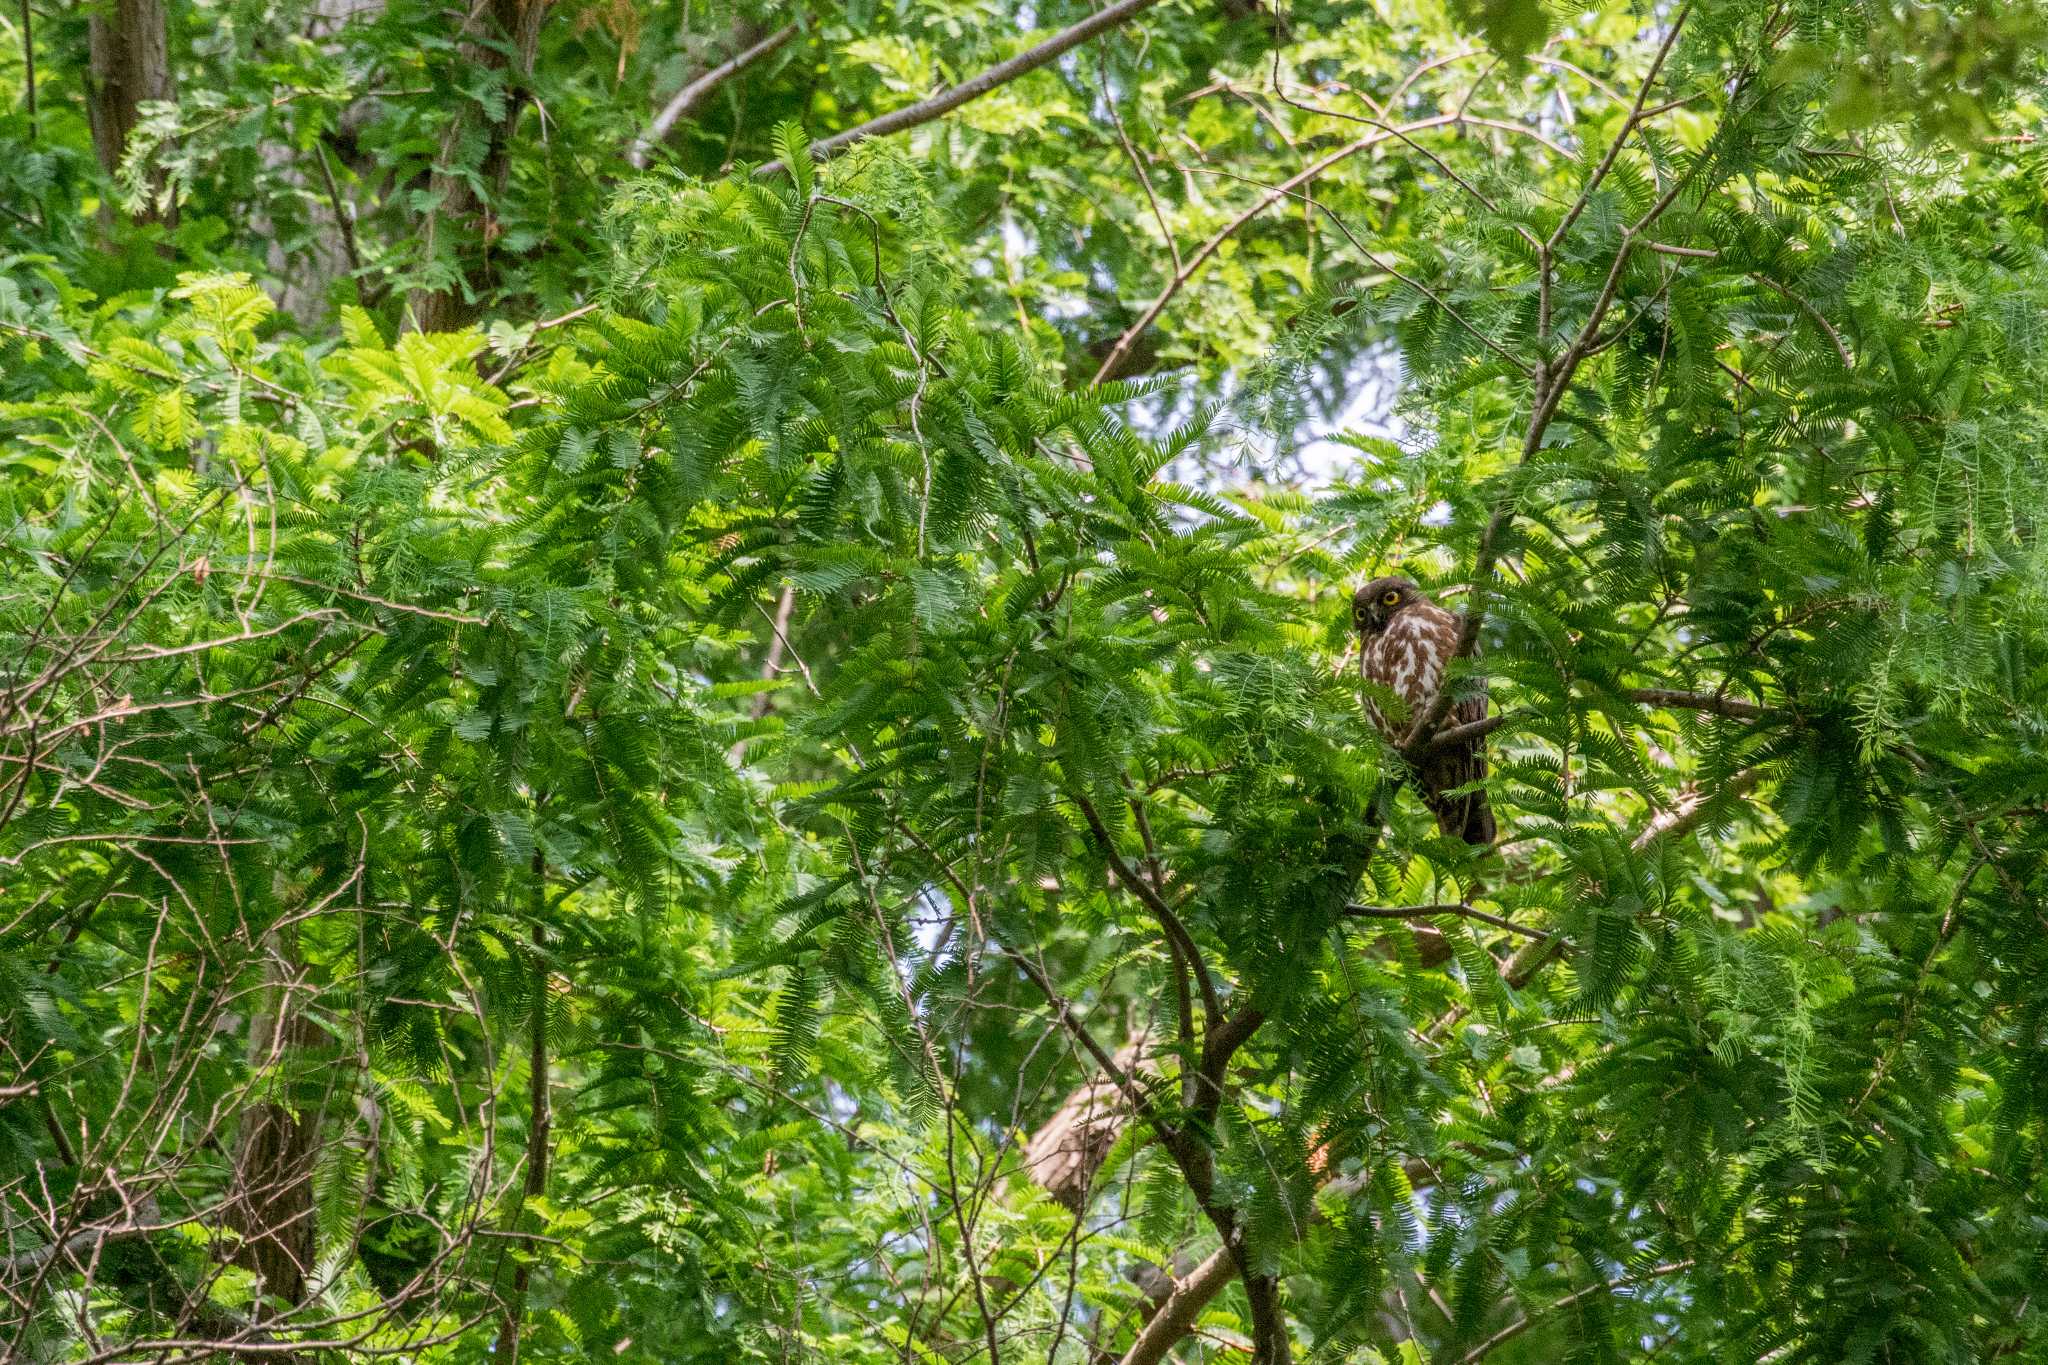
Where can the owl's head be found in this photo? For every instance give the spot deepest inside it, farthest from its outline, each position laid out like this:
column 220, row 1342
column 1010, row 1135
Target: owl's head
column 1374, row 605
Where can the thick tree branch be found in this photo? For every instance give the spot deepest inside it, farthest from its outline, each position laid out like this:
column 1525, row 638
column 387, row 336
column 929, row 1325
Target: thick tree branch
column 1176, row 1317
column 946, row 101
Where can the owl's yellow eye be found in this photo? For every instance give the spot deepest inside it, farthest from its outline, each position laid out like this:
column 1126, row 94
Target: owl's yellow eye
column 1387, row 599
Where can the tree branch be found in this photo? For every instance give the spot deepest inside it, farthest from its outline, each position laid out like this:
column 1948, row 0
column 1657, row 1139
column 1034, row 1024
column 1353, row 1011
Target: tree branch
column 539, row 1122
column 1283, row 190
column 1711, row 702
column 1692, row 807
column 1169, row 922
column 946, row 101
column 1176, row 1317
column 1805, row 306
column 1528, row 1320
column 1414, row 912
column 1668, row 699
column 692, row 94
column 1552, row 381
column 1192, row 1154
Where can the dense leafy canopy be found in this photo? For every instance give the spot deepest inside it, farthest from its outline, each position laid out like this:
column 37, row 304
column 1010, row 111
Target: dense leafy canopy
column 632, row 730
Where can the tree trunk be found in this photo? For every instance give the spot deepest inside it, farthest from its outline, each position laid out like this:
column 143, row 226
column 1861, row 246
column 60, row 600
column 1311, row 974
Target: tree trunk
column 462, row 224
column 271, row 1203
column 306, row 272
column 129, row 51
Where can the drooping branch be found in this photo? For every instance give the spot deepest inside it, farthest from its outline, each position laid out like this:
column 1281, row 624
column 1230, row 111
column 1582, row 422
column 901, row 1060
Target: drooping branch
column 946, row 101
column 692, row 94
column 1805, row 305
column 1113, row 359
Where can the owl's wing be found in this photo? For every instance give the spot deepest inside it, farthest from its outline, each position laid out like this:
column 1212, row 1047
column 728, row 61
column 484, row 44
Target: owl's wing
column 1466, row 816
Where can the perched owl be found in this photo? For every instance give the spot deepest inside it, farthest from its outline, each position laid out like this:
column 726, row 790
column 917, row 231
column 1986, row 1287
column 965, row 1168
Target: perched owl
column 1405, row 643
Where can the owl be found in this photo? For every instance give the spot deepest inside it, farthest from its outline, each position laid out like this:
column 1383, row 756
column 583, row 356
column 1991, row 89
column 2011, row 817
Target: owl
column 1405, row 644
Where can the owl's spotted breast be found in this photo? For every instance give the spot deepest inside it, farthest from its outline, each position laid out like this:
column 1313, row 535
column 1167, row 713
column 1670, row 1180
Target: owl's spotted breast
column 1408, row 659
column 1407, row 648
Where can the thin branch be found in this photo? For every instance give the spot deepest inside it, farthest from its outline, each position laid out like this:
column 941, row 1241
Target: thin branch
column 1552, row 382
column 1279, row 192
column 946, row 101
column 1701, row 253
column 518, row 357
column 1415, row 912
column 344, row 215
column 1137, row 165
column 1169, row 922
column 693, row 94
column 1805, row 306
column 540, row 1121
column 1141, row 1103
column 1314, row 204
column 28, row 61
column 1528, row 1320
column 1635, row 117
column 1712, row 702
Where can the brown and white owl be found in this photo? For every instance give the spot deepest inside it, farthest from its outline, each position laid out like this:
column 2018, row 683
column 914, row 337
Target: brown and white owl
column 1405, row 644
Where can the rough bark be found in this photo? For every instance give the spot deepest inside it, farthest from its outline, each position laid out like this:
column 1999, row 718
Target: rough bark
column 502, row 35
column 129, row 64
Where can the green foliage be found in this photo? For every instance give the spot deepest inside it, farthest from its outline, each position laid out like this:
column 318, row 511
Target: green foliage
column 624, row 827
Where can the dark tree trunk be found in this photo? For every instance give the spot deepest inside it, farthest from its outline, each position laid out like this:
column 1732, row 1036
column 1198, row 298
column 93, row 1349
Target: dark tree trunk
column 129, row 48
column 461, row 223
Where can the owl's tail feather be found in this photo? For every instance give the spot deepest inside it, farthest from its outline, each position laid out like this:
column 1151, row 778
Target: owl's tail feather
column 1466, row 817
column 1462, row 815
